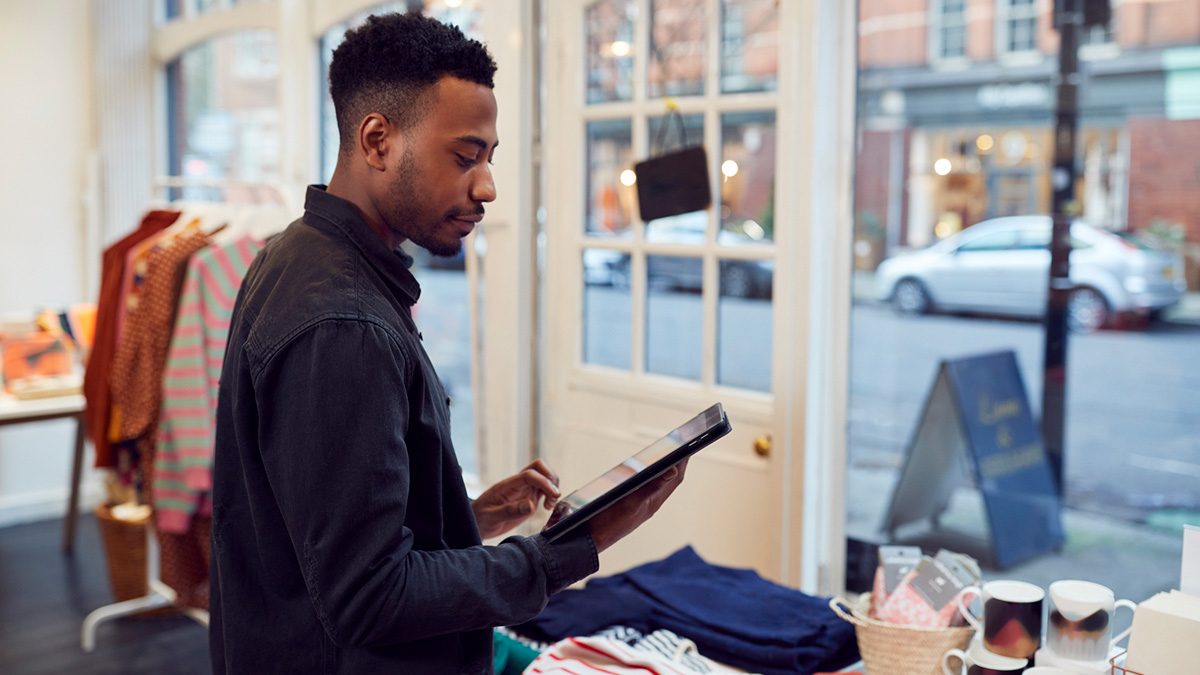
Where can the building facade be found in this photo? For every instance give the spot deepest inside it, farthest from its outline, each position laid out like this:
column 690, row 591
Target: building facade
column 956, row 116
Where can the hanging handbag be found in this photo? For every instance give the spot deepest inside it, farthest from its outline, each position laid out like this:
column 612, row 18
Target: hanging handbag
column 676, row 182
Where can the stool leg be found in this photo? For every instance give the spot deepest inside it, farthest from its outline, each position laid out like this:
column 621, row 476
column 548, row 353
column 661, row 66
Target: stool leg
column 68, row 544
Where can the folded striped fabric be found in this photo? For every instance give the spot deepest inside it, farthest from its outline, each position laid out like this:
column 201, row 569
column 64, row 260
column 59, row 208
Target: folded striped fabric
column 607, row 656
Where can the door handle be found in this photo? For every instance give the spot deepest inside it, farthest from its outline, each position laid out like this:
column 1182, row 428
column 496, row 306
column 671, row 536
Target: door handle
column 762, row 445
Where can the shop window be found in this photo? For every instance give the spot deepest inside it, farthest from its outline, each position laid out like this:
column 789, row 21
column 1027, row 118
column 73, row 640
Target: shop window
column 749, row 45
column 687, row 228
column 673, row 309
column 610, row 47
column 747, row 178
column 610, row 181
column 607, row 308
column 953, row 195
column 465, row 15
column 223, row 114
column 444, row 310
column 174, row 9
column 678, row 48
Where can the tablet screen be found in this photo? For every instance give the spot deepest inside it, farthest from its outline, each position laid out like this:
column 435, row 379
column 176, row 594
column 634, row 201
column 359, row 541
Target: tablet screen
column 633, row 468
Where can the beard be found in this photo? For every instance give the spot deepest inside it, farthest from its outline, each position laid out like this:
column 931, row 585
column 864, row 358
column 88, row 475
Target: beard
column 413, row 217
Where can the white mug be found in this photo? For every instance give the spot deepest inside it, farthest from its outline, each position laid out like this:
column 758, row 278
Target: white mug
column 1011, row 622
column 1048, row 670
column 1079, row 620
column 979, row 661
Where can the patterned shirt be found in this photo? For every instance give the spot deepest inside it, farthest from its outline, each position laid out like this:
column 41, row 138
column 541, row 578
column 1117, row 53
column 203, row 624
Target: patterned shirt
column 137, row 368
column 183, row 461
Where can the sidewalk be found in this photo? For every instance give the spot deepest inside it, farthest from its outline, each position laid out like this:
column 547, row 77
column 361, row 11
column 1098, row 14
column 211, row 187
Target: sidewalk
column 1134, row 560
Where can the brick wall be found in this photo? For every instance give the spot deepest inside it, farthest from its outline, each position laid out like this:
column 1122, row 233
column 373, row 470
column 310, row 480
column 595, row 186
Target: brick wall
column 892, row 33
column 895, row 32
column 871, row 180
column 1141, row 23
column 981, row 29
column 1164, row 172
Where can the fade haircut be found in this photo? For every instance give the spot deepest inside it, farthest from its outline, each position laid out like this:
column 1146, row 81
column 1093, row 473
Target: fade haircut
column 388, row 65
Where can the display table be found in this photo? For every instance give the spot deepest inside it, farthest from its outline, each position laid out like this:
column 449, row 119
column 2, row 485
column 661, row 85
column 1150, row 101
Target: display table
column 14, row 411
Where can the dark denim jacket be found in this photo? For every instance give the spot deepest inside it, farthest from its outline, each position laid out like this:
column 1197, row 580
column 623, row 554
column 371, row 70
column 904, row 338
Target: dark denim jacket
column 343, row 538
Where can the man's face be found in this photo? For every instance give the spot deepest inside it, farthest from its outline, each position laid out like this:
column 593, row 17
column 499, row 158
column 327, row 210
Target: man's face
column 443, row 175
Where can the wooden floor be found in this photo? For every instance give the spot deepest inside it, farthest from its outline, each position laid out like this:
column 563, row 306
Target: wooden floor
column 45, row 595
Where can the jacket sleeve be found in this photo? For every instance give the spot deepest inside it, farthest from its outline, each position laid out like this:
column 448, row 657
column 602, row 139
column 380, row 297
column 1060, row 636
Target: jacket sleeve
column 333, row 411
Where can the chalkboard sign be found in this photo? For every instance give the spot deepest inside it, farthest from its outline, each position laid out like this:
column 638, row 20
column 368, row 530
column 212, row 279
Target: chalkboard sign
column 977, row 412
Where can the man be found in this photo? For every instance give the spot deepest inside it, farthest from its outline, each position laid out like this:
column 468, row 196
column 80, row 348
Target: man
column 343, row 538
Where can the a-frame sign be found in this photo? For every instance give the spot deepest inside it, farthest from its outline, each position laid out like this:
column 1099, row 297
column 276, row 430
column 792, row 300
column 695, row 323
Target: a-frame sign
column 978, row 413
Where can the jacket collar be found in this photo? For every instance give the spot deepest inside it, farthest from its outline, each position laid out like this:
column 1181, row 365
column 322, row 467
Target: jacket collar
column 392, row 265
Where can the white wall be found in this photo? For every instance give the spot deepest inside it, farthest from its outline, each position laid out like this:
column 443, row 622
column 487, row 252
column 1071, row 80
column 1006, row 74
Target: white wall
column 45, row 134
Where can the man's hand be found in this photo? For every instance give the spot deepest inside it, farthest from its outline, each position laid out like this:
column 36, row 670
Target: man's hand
column 508, row 503
column 612, row 524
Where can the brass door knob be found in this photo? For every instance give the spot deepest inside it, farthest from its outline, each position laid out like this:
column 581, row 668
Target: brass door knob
column 762, row 446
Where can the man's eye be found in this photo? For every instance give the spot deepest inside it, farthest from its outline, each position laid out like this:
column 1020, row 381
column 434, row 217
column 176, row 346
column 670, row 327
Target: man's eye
column 466, row 161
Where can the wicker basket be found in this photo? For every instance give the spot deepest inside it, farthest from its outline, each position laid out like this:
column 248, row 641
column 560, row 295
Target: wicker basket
column 889, row 649
column 125, row 548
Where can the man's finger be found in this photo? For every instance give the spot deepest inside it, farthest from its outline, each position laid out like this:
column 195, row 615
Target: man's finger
column 540, row 482
column 540, row 466
column 518, row 509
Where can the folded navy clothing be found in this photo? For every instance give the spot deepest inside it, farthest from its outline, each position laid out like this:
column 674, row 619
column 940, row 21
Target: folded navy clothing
column 734, row 616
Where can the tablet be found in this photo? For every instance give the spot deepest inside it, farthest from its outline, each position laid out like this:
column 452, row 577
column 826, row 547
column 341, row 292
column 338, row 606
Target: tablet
column 583, row 504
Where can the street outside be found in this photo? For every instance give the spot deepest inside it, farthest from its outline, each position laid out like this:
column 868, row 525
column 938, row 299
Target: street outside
column 1132, row 455
column 1133, row 396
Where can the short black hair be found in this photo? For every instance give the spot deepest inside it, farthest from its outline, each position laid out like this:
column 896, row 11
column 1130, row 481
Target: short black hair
column 388, row 63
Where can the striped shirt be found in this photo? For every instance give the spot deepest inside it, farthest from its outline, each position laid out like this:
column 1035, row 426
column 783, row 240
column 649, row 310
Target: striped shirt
column 183, row 457
column 608, row 656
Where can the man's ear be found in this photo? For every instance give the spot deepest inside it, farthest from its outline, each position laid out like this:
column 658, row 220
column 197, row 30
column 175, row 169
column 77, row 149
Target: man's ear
column 375, row 140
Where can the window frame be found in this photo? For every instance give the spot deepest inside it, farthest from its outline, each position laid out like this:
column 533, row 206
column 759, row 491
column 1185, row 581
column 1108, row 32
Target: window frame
column 1004, row 30
column 936, row 36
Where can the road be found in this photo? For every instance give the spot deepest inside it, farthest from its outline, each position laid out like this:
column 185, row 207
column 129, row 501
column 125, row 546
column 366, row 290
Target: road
column 1133, row 397
column 1133, row 400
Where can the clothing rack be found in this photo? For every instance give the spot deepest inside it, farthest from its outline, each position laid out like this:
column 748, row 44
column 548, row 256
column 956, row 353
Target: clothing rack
column 283, row 191
column 160, row 594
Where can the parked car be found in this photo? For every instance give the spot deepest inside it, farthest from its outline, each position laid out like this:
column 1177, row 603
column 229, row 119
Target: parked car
column 1002, row 266
column 738, row 278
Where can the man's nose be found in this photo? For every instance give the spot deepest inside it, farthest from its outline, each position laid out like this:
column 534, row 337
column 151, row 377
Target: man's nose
column 483, row 188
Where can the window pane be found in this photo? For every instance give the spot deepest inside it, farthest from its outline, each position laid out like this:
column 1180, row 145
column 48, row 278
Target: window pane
column 607, row 308
column 749, row 45
column 677, row 48
column 747, row 178
column 744, row 324
column 665, row 137
column 444, row 311
column 954, row 41
column 444, row 316
column 223, row 115
column 1000, row 241
column 942, row 153
column 674, row 316
column 610, row 184
column 466, row 17
column 609, row 27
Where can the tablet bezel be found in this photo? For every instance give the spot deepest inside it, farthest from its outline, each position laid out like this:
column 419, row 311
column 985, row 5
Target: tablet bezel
column 719, row 428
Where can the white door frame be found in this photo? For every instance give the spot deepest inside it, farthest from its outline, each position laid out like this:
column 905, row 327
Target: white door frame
column 826, row 69
column 810, row 342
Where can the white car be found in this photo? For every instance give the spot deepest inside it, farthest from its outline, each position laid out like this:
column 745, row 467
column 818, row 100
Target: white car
column 1002, row 266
